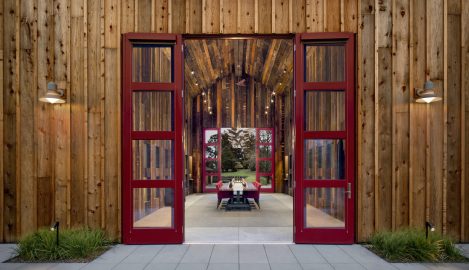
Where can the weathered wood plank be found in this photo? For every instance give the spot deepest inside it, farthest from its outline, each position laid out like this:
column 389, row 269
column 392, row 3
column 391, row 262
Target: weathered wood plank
column 366, row 139
column 62, row 112
column 400, row 105
column 112, row 145
column 127, row 17
column 246, row 14
column 161, row 16
column 211, row 16
column 332, row 10
column 78, row 121
column 194, row 16
column 280, row 16
column 383, row 196
column 314, row 15
column 465, row 122
column 351, row 16
column 434, row 67
column 177, row 16
column 144, row 16
column 95, row 99
column 10, row 103
column 384, row 27
column 453, row 186
column 264, row 16
column 110, row 23
column 1, row 120
column 418, row 116
column 298, row 16
column 228, row 16
column 27, row 98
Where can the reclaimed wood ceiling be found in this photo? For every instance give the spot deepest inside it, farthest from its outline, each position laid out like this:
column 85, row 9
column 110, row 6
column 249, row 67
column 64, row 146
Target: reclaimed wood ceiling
column 269, row 61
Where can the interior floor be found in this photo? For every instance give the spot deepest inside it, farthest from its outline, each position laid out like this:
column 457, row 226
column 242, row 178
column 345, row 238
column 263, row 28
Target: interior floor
column 273, row 222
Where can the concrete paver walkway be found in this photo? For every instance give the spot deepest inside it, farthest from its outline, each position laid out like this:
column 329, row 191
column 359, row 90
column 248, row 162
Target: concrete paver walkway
column 232, row 257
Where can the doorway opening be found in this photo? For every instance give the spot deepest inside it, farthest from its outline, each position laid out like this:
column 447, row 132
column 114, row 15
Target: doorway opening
column 239, row 123
column 198, row 115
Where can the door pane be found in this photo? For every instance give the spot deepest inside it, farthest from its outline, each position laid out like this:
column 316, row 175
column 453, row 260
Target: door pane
column 324, row 63
column 265, row 151
column 265, row 166
column 266, row 181
column 152, row 63
column 211, row 166
column 324, row 159
column 152, row 111
column 265, row 136
column 324, row 208
column 153, row 207
column 153, row 159
column 211, row 136
column 211, row 181
column 211, row 151
column 324, row 111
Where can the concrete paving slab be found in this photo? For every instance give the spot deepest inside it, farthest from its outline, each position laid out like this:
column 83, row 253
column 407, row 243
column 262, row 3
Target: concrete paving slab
column 334, row 254
column 316, row 266
column 143, row 254
column 225, row 254
column 307, row 254
column 285, row 266
column 409, row 266
column 254, row 266
column 68, row 266
column 252, row 254
column 36, row 266
column 198, row 254
column 361, row 254
column 170, row 254
column 192, row 266
column 10, row 266
column 98, row 266
column 348, row 266
column 447, row 266
column 279, row 254
column 223, row 266
column 133, row 266
column 378, row 265
column 161, row 266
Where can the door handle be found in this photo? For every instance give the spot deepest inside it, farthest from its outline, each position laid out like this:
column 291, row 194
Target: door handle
column 349, row 190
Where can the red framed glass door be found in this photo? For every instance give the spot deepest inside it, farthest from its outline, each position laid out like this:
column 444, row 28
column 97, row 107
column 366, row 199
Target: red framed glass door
column 324, row 144
column 265, row 158
column 212, row 152
column 152, row 153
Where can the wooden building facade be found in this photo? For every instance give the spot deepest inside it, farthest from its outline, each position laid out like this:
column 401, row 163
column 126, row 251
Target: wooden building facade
column 63, row 162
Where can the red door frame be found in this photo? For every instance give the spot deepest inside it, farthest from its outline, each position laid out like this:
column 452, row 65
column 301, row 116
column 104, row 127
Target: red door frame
column 324, row 235
column 271, row 159
column 131, row 235
column 205, row 159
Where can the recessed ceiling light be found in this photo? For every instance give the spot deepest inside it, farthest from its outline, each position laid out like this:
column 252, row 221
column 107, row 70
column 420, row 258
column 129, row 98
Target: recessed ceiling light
column 192, row 72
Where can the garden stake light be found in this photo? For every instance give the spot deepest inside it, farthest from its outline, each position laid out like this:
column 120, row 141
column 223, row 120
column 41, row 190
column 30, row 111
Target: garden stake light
column 56, row 229
column 430, row 226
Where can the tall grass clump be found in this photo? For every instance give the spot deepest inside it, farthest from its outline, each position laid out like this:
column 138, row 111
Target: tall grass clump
column 410, row 245
column 74, row 245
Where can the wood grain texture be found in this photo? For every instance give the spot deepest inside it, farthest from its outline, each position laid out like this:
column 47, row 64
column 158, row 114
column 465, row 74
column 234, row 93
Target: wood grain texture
column 62, row 162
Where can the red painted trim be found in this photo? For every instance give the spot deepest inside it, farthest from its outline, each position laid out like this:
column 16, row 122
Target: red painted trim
column 131, row 235
column 149, row 86
column 204, row 159
column 271, row 159
column 324, row 235
column 325, row 86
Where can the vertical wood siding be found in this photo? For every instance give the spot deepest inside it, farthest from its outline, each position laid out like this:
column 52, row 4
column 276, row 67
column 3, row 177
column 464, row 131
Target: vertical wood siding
column 62, row 162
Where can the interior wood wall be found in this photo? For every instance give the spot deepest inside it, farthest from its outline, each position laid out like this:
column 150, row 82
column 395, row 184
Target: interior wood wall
column 62, row 162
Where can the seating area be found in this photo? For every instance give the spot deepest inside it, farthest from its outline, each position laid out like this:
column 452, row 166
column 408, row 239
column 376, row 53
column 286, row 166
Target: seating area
column 226, row 195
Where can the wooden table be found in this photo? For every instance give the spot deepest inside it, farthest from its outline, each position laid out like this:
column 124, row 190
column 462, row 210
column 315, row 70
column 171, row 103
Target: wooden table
column 250, row 191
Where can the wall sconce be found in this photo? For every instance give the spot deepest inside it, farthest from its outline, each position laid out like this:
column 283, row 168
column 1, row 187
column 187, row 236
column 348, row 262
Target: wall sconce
column 53, row 95
column 426, row 95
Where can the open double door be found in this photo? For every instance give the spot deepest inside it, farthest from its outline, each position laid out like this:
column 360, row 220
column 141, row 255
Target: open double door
column 152, row 138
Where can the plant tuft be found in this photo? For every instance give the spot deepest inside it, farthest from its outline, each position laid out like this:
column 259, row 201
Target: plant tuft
column 77, row 245
column 410, row 245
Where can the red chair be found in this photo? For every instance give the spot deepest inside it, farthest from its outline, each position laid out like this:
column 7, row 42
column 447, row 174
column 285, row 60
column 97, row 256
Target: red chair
column 219, row 194
column 256, row 196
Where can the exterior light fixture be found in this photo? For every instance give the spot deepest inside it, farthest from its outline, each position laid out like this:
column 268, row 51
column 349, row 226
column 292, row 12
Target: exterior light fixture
column 192, row 72
column 53, row 95
column 55, row 228
column 426, row 95
column 428, row 226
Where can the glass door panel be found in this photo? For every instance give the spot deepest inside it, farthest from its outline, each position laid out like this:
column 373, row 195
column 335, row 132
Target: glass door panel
column 324, row 143
column 265, row 158
column 152, row 160
column 211, row 159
